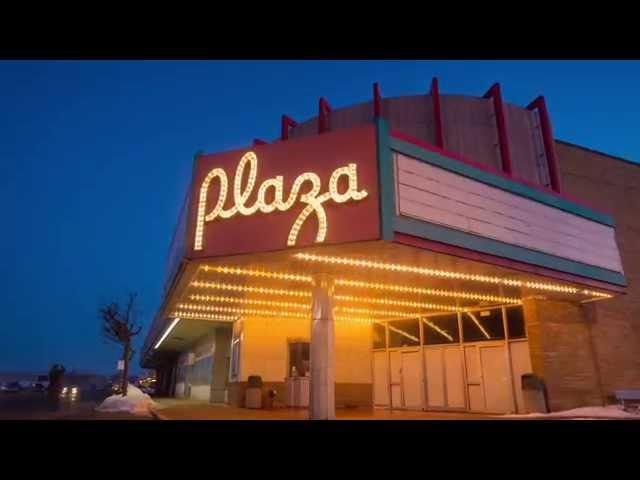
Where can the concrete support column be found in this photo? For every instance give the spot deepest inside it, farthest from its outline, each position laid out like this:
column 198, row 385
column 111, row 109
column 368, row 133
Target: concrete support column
column 322, row 402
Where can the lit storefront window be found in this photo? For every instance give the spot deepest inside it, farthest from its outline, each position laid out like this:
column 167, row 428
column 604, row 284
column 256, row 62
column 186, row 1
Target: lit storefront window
column 483, row 325
column 515, row 322
column 404, row 333
column 299, row 360
column 441, row 329
column 379, row 336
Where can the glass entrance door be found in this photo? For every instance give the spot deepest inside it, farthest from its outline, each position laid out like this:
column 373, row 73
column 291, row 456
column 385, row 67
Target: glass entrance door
column 412, row 385
column 467, row 361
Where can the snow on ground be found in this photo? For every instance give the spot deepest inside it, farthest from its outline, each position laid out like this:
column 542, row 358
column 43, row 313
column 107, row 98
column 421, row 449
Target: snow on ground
column 136, row 402
column 608, row 412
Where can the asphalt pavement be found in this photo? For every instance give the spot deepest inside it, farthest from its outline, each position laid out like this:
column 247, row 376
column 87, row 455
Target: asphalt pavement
column 33, row 405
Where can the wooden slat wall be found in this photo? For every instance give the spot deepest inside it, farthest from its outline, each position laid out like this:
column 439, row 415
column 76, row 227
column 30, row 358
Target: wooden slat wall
column 353, row 115
column 470, row 129
column 412, row 115
column 436, row 195
column 525, row 157
column 310, row 127
column 358, row 114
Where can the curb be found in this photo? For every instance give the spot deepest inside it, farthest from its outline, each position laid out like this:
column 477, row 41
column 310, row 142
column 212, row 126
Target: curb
column 156, row 415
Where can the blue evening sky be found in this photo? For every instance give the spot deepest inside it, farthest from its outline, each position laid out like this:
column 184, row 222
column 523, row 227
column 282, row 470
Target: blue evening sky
column 96, row 157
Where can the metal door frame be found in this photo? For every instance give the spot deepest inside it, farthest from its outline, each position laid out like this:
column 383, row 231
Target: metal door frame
column 505, row 343
column 488, row 344
column 463, row 365
column 373, row 375
column 421, row 386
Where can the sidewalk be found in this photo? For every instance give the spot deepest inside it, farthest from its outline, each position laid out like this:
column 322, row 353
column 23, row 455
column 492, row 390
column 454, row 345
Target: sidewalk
column 178, row 409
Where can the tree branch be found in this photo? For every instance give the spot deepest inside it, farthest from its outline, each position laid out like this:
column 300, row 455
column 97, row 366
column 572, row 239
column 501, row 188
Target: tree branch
column 118, row 324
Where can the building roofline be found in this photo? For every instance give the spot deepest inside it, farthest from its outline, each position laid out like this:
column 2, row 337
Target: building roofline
column 626, row 160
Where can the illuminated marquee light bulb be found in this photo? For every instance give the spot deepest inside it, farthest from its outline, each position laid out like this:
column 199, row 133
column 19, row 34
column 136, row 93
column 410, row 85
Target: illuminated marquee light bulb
column 398, row 303
column 426, row 291
column 248, row 301
column 352, row 193
column 258, row 273
column 350, row 319
column 204, row 189
column 551, row 287
column 242, row 311
column 397, row 268
column 204, row 316
column 245, row 288
column 369, row 311
column 438, row 329
column 214, row 308
column 597, row 294
column 241, row 197
column 313, row 200
column 432, row 272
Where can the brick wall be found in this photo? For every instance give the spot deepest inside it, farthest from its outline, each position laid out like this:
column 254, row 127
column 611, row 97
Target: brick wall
column 562, row 352
column 614, row 186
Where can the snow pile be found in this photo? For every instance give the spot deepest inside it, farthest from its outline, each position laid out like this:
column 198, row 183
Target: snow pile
column 608, row 412
column 136, row 402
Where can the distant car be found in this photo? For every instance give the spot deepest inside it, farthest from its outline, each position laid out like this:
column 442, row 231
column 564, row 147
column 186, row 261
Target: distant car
column 70, row 392
column 148, row 390
column 11, row 387
column 41, row 383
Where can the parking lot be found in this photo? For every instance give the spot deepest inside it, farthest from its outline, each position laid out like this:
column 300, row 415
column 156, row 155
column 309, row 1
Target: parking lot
column 34, row 405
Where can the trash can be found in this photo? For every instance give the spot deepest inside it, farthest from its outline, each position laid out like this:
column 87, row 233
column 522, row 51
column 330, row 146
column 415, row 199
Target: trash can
column 253, row 395
column 269, row 399
column 533, row 394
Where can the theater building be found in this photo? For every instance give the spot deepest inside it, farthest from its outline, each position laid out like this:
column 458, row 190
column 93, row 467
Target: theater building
column 416, row 252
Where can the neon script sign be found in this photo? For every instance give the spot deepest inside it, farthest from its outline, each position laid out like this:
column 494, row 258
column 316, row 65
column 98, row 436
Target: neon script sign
column 312, row 199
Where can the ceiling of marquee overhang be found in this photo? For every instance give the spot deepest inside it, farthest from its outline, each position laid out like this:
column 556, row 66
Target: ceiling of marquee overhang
column 374, row 281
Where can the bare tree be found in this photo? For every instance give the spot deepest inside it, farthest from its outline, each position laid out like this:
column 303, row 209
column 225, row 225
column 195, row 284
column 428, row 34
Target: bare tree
column 119, row 326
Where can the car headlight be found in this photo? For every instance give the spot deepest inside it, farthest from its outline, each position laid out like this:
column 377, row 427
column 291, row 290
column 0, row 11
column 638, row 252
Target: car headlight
column 64, row 390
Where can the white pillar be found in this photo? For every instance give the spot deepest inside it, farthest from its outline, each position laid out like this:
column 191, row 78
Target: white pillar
column 322, row 403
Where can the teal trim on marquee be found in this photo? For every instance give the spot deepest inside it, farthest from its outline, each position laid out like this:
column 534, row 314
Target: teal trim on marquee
column 390, row 222
column 386, row 179
column 497, row 181
column 450, row 236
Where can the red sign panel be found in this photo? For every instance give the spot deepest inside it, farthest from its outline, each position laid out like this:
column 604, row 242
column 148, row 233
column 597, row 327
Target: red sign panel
column 313, row 190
